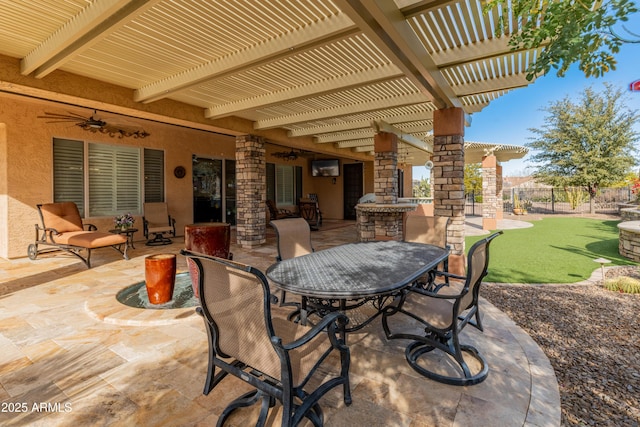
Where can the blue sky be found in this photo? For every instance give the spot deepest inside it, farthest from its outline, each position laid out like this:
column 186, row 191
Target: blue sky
column 507, row 119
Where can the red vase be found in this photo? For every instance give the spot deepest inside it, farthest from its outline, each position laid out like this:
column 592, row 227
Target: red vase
column 208, row 238
column 160, row 277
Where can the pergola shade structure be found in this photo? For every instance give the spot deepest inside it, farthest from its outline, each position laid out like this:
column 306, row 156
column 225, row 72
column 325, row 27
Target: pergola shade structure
column 315, row 68
column 475, row 152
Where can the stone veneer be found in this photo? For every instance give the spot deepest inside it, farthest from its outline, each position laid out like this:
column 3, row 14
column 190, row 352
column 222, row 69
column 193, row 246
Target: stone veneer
column 383, row 220
column 251, row 182
column 492, row 207
column 377, row 221
column 385, row 168
column 629, row 243
column 630, row 213
column 448, row 185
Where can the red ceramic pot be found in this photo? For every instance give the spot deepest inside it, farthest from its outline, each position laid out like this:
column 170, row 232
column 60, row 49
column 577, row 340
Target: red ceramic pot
column 160, row 277
column 209, row 238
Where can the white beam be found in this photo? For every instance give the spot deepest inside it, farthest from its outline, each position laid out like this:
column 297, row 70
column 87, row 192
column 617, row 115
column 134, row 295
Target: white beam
column 407, row 138
column 361, row 124
column 344, row 136
column 94, row 23
column 292, row 94
column 354, row 143
column 343, row 110
column 386, row 26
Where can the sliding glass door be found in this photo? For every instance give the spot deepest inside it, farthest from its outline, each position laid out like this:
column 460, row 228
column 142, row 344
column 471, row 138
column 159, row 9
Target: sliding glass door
column 214, row 190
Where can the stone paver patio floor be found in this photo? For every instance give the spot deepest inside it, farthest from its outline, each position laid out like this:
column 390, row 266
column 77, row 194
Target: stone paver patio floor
column 73, row 355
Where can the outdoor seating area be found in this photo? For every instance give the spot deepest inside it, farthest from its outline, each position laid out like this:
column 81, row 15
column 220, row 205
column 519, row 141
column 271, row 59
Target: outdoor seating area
column 277, row 357
column 276, row 213
column 62, row 229
column 158, row 223
column 441, row 317
column 114, row 364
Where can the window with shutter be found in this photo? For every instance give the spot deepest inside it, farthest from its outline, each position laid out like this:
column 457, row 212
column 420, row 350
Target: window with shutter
column 68, row 172
column 285, row 185
column 153, row 175
column 114, row 180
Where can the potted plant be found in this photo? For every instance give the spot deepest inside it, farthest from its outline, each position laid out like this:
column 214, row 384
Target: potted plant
column 124, row 221
column 517, row 207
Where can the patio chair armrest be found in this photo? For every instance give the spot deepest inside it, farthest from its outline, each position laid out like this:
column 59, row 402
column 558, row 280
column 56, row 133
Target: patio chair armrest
column 49, row 233
column 330, row 322
column 450, row 275
column 90, row 227
column 436, row 294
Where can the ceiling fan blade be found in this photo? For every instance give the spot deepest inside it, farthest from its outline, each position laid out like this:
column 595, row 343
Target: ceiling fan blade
column 62, row 121
column 71, row 116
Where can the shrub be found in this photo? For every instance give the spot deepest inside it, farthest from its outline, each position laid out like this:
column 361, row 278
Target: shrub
column 623, row 284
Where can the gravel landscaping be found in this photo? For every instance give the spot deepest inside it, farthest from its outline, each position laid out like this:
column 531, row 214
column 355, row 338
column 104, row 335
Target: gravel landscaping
column 592, row 338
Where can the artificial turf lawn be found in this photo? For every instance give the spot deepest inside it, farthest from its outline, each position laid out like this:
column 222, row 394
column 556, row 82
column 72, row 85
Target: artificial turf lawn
column 554, row 250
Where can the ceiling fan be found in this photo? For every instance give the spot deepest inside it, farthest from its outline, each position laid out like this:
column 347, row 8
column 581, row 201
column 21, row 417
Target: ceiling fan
column 292, row 155
column 94, row 123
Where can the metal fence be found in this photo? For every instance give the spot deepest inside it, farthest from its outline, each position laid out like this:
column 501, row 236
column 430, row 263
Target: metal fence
column 573, row 200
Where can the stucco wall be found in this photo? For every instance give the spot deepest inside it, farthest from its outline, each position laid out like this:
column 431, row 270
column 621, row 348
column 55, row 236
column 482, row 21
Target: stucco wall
column 29, row 162
column 26, row 166
column 3, row 187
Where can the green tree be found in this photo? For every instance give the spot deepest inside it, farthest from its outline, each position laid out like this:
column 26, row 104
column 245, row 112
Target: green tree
column 568, row 31
column 422, row 188
column 588, row 144
column 473, row 180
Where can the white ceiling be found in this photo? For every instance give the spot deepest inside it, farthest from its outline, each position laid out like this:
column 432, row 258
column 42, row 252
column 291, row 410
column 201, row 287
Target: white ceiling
column 320, row 68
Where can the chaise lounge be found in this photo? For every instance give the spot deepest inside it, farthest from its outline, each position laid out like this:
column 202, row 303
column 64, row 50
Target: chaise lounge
column 62, row 229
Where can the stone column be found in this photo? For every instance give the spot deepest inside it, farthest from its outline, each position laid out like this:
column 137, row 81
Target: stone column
column 448, row 180
column 383, row 220
column 251, row 185
column 499, row 201
column 489, row 193
column 385, row 168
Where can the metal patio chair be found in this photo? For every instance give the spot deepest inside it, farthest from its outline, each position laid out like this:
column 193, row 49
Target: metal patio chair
column 431, row 230
column 441, row 317
column 281, row 359
column 309, row 211
column 293, row 239
column 158, row 222
column 276, row 213
column 314, row 197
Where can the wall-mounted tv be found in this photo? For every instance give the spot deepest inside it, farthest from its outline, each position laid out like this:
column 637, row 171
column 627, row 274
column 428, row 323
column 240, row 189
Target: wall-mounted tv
column 330, row 167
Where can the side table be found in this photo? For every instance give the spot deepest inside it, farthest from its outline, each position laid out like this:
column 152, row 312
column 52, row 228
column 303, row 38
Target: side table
column 209, row 238
column 129, row 232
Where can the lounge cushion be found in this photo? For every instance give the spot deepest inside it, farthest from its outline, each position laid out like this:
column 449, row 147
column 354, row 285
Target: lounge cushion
column 62, row 216
column 89, row 239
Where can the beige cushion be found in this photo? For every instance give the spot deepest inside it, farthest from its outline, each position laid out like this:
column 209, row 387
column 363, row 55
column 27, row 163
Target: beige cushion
column 89, row 239
column 62, row 216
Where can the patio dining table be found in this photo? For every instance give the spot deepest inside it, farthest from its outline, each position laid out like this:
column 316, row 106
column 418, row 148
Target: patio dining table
column 348, row 276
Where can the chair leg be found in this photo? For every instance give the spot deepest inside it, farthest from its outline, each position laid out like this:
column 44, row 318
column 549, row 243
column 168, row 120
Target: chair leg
column 416, row 349
column 159, row 240
column 247, row 399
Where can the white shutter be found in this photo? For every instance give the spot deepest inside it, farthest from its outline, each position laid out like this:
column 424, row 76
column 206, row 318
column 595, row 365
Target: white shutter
column 68, row 173
column 114, row 180
column 285, row 185
column 153, row 175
